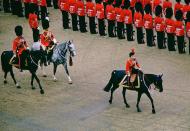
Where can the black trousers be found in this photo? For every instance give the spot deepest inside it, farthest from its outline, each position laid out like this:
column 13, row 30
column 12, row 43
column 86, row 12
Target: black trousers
column 171, row 42
column 133, row 11
column 36, row 8
column 161, row 39
column 181, row 44
column 92, row 25
column 120, row 30
column 36, row 34
column 48, row 3
column 82, row 24
column 129, row 28
column 105, row 4
column 6, row 6
column 101, row 27
column 140, row 35
column 27, row 9
column 43, row 12
column 74, row 22
column 13, row 7
column 23, row 58
column 149, row 37
column 18, row 8
column 65, row 19
column 111, row 27
column 55, row 4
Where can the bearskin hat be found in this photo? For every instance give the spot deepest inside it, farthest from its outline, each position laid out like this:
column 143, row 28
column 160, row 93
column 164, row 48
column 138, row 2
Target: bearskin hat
column 98, row 1
column 179, row 15
column 187, row 2
column 158, row 10
column 178, row 1
column 188, row 16
column 147, row 8
column 45, row 24
column 169, row 13
column 18, row 30
column 138, row 6
column 132, row 52
column 126, row 4
column 110, row 2
column 118, row 3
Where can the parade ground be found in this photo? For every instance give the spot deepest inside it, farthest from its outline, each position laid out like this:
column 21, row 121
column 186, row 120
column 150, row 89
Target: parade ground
column 84, row 106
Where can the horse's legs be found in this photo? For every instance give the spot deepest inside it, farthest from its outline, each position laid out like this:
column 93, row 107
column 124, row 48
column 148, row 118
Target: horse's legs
column 54, row 71
column 112, row 90
column 13, row 77
column 5, row 78
column 152, row 102
column 43, row 71
column 125, row 101
column 67, row 72
column 38, row 81
column 138, row 100
column 32, row 81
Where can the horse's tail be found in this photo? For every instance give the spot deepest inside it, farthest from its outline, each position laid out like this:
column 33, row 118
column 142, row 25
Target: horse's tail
column 110, row 83
column 3, row 62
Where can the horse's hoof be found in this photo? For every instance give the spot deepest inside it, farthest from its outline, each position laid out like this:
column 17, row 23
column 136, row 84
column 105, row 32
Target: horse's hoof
column 139, row 110
column 44, row 75
column 127, row 106
column 18, row 87
column 153, row 112
column 42, row 91
column 110, row 101
column 5, row 81
column 54, row 80
column 33, row 88
column 70, row 82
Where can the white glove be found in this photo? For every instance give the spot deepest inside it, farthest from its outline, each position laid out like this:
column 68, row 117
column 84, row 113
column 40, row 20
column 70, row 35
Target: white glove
column 14, row 55
column 55, row 41
column 38, row 28
column 28, row 48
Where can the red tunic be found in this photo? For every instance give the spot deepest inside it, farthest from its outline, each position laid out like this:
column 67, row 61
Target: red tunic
column 33, row 20
column 100, row 11
column 26, row 1
column 43, row 3
column 72, row 6
column 156, row 3
column 128, row 16
column 148, row 21
column 34, row 1
column 19, row 45
column 120, row 14
column 186, row 8
column 63, row 5
column 90, row 9
column 178, row 6
column 46, row 38
column 170, row 26
column 131, row 64
column 188, row 29
column 159, row 24
column 166, row 4
column 179, row 28
column 138, row 19
column 132, row 3
column 110, row 12
column 80, row 8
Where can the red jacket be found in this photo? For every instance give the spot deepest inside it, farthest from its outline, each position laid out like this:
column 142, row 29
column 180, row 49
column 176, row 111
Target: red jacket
column 119, row 14
column 159, row 24
column 33, row 20
column 128, row 16
column 170, row 26
column 156, row 3
column 46, row 38
column 138, row 19
column 90, row 9
column 72, row 6
column 186, row 8
column 188, row 29
column 80, row 8
column 43, row 3
column 148, row 21
column 19, row 45
column 34, row 1
column 110, row 12
column 63, row 5
column 99, row 11
column 179, row 28
column 131, row 64
column 26, row 1
column 166, row 4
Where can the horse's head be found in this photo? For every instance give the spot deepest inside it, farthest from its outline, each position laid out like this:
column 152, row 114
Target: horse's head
column 71, row 47
column 158, row 82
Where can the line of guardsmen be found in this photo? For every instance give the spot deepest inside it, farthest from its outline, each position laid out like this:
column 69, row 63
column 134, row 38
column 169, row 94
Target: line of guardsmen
column 123, row 15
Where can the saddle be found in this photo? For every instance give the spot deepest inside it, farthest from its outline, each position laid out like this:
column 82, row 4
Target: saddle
column 126, row 82
column 15, row 62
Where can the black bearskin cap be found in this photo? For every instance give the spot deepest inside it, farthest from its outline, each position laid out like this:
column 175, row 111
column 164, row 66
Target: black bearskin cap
column 169, row 13
column 178, row 1
column 179, row 15
column 138, row 6
column 187, row 2
column 45, row 24
column 188, row 16
column 158, row 10
column 147, row 8
column 126, row 4
column 18, row 30
column 118, row 3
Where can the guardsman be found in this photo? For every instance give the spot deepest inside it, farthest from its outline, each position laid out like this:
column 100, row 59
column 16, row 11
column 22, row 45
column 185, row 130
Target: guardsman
column 179, row 32
column 81, row 14
column 138, row 22
column 33, row 22
column 6, row 6
column 91, row 13
column 20, row 47
column 148, row 25
column 73, row 12
column 170, row 29
column 55, row 4
column 159, row 25
column 43, row 8
column 128, row 20
column 178, row 6
column 188, row 27
column 120, row 20
column 110, row 15
column 100, row 17
column 166, row 4
column 186, row 8
column 64, row 7
column 27, row 8
column 34, row 5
